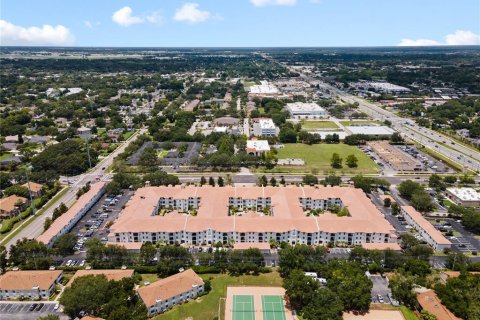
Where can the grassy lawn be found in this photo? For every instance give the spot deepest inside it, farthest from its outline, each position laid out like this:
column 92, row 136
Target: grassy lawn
column 447, row 203
column 128, row 134
column 358, row 122
column 162, row 153
column 408, row 314
column 150, row 277
column 206, row 307
column 318, row 157
column 248, row 83
column 5, row 155
column 319, row 125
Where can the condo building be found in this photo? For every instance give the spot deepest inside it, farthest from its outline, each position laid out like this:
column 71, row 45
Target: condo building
column 207, row 215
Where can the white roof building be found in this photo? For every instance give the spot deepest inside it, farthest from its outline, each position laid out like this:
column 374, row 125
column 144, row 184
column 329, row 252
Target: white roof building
column 371, row 130
column 305, row 110
column 264, row 127
column 464, row 196
column 257, row 146
column 264, row 88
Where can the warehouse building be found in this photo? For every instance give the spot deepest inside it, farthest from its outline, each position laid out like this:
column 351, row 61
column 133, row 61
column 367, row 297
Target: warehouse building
column 302, row 110
column 467, row 197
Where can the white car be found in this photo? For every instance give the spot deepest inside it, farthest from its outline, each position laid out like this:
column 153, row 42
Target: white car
column 57, row 305
column 69, row 262
column 82, row 263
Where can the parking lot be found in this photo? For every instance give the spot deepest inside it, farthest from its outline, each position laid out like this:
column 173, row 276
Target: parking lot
column 461, row 239
column 29, row 310
column 381, row 293
column 93, row 224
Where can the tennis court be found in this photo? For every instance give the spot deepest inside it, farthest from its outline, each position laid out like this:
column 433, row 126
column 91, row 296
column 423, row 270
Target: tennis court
column 242, row 308
column 273, row 308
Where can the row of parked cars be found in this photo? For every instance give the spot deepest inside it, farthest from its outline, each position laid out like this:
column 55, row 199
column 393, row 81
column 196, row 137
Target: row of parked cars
column 72, row 263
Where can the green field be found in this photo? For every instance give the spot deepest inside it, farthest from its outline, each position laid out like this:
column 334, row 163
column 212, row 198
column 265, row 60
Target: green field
column 319, row 125
column 248, row 83
column 359, row 122
column 317, row 157
column 207, row 307
column 408, row 314
column 5, row 155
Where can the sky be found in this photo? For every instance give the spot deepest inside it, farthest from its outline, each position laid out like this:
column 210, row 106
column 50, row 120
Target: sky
column 239, row 23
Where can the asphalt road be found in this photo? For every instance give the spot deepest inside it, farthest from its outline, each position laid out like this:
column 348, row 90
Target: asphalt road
column 35, row 228
column 20, row 310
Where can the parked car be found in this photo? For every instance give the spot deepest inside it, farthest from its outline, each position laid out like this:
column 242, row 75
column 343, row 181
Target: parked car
column 32, row 307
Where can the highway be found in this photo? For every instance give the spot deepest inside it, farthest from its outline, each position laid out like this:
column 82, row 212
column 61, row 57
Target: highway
column 35, row 228
column 467, row 157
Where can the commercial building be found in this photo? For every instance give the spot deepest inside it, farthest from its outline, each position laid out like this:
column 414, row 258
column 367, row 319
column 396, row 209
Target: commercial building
column 431, row 235
column 468, row 197
column 110, row 274
column 257, row 147
column 264, row 127
column 397, row 159
column 264, row 89
column 302, row 110
column 69, row 219
column 370, row 130
column 37, row 284
column 207, row 215
column 165, row 293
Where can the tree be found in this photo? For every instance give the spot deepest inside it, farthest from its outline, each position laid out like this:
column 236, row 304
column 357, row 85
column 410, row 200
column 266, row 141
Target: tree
column 30, row 254
column 436, row 182
column 64, row 244
column 396, row 138
column 332, row 180
column 282, row 181
column 211, row 181
column 387, row 202
column 287, row 135
column 408, row 187
column 324, row 305
column 220, row 182
column 395, row 209
column 425, row 315
column 149, row 158
column 336, row 161
column 310, row 179
column 351, row 161
column 113, row 187
column 203, row 181
column 402, row 289
column 47, row 223
column 17, row 190
column 422, row 201
column 273, row 182
column 147, row 253
column 263, row 181
column 3, row 258
column 300, row 289
column 103, row 298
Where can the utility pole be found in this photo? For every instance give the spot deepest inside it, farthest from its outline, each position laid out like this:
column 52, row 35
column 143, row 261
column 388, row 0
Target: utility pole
column 88, row 153
column 32, row 205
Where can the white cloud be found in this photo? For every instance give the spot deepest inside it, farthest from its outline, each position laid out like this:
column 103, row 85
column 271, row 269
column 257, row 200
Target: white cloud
column 154, row 17
column 190, row 13
column 462, row 37
column 459, row 37
column 124, row 17
column 263, row 3
column 12, row 35
column 90, row 25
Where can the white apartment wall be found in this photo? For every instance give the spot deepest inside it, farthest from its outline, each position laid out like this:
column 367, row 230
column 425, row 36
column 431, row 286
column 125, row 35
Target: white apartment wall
column 163, row 305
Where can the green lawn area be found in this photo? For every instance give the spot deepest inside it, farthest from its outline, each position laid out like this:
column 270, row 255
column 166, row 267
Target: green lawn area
column 162, row 153
column 5, row 155
column 150, row 277
column 248, row 83
column 128, row 134
column 318, row 157
column 408, row 314
column 447, row 203
column 206, row 307
column 359, row 122
column 319, row 125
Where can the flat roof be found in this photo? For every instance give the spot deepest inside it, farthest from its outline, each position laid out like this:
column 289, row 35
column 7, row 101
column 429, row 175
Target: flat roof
column 65, row 218
column 465, row 194
column 169, row 287
column 287, row 212
column 110, row 274
column 258, row 145
column 370, row 130
column 304, row 107
column 265, row 123
column 436, row 235
column 26, row 280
